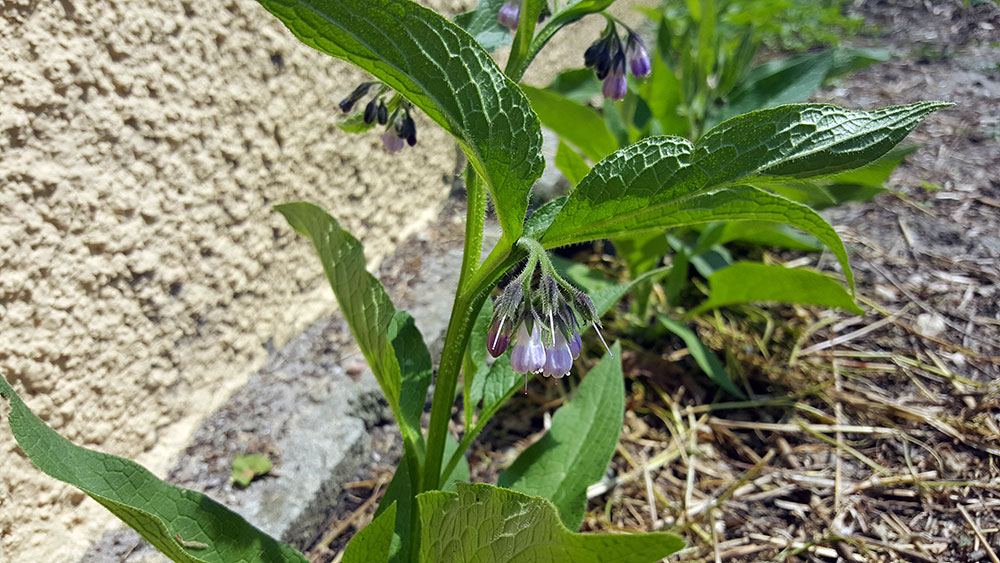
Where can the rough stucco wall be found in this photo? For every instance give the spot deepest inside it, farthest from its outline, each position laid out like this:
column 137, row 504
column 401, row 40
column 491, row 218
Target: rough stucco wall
column 143, row 273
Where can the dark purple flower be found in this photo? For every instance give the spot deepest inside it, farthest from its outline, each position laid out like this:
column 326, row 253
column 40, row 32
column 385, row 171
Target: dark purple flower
column 383, row 113
column 509, row 14
column 638, row 57
column 371, row 111
column 528, row 355
column 558, row 358
column 498, row 337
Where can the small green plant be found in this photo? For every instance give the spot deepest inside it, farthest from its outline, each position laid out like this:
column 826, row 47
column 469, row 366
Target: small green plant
column 429, row 513
column 248, row 467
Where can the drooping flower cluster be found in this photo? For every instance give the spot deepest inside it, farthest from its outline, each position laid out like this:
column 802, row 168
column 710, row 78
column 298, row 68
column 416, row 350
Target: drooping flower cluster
column 608, row 56
column 542, row 322
column 400, row 129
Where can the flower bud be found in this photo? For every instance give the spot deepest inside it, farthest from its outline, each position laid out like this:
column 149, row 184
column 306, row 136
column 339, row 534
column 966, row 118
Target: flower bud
column 592, row 53
column 370, row 111
column 383, row 113
column 509, row 14
column 498, row 337
column 638, row 57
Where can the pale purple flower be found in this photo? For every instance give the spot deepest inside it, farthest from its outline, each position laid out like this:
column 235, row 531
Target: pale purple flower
column 392, row 141
column 615, row 86
column 509, row 14
column 558, row 358
column 528, row 355
column 638, row 57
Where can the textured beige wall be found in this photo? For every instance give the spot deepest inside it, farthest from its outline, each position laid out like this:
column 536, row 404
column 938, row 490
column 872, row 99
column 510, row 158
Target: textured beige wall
column 142, row 269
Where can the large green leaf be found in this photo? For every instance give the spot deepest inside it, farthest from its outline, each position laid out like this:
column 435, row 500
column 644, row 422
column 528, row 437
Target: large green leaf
column 487, row 524
column 641, row 187
column 363, row 302
column 575, row 452
column 442, row 70
column 372, row 543
column 574, row 122
column 186, row 526
column 747, row 282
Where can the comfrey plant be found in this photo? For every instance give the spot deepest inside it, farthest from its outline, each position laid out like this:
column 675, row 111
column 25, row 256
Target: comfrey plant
column 428, row 513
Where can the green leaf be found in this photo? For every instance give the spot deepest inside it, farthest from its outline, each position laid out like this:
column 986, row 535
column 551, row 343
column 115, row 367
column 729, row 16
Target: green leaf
column 363, row 301
column 399, row 494
column 442, row 70
column 779, row 82
column 571, row 164
column 355, row 123
column 483, row 26
column 541, row 219
column 643, row 251
column 575, row 123
column 186, row 526
column 705, row 358
column 769, row 234
column 578, row 84
column 486, row 524
column 575, row 452
column 246, row 467
column 662, row 91
column 414, row 362
column 493, row 385
column 372, row 543
column 747, row 282
column 644, row 186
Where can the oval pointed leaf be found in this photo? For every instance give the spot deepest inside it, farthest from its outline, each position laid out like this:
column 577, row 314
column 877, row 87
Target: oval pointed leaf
column 487, row 524
column 442, row 70
column 186, row 526
column 575, row 452
column 748, row 282
column 796, row 140
column 370, row 314
column 745, row 203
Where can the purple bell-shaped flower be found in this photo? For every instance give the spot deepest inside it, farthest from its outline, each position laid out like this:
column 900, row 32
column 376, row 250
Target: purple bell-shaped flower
column 638, row 57
column 558, row 358
column 528, row 355
column 615, row 85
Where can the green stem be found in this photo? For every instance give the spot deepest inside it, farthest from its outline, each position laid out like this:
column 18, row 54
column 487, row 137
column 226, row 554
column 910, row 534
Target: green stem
column 475, row 222
column 463, row 312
